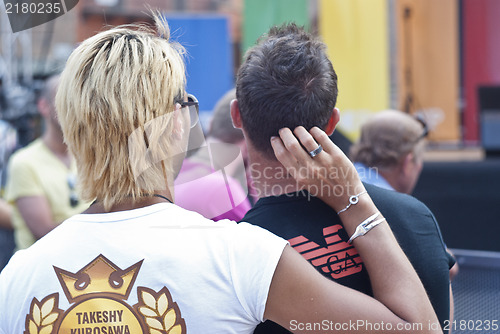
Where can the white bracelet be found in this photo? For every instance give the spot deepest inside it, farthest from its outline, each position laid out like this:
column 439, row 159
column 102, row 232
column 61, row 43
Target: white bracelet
column 366, row 226
column 354, row 199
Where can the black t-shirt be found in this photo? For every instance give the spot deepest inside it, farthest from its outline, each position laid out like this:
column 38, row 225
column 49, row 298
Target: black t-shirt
column 315, row 231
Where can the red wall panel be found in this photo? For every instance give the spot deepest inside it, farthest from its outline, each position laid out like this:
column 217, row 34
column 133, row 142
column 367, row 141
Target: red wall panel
column 481, row 57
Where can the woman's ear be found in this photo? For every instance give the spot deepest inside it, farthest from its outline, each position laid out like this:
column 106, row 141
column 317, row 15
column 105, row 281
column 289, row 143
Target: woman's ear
column 235, row 114
column 333, row 121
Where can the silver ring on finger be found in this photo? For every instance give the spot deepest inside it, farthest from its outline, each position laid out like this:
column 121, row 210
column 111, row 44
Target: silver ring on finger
column 316, row 151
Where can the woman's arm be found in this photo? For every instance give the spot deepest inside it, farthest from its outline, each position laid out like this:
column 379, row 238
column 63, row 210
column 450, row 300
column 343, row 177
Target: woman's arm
column 301, row 299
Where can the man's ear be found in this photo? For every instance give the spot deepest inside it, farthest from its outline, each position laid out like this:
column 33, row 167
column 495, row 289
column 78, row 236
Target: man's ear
column 332, row 122
column 407, row 163
column 235, row 114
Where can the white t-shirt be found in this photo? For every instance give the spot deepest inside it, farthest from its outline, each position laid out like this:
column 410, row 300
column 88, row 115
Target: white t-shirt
column 158, row 267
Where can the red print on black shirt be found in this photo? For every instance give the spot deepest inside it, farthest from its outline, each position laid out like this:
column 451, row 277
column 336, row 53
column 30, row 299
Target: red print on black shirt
column 339, row 258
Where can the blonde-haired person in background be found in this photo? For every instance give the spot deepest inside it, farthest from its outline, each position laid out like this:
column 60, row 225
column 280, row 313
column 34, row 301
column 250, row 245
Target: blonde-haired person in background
column 134, row 262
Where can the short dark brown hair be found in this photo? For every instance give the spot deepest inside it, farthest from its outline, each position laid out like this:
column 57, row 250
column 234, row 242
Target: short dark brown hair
column 286, row 80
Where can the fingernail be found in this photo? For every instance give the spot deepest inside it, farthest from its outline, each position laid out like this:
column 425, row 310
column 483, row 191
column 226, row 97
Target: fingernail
column 273, row 138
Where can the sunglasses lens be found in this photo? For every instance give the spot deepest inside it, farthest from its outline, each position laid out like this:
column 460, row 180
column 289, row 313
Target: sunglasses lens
column 193, row 109
column 193, row 114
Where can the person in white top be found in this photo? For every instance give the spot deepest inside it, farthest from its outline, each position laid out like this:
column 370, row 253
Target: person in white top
column 136, row 263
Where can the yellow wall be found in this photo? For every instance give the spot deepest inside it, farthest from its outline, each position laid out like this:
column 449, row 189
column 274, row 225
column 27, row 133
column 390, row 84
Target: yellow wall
column 356, row 33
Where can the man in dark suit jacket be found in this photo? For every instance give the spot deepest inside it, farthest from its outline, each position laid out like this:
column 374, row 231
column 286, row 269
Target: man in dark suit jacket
column 287, row 80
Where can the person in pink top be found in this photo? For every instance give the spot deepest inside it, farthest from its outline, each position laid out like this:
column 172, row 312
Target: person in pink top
column 213, row 181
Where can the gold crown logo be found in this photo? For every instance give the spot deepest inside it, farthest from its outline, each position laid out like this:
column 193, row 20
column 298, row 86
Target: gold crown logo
column 101, row 276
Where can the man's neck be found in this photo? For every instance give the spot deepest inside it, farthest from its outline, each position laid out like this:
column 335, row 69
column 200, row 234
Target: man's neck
column 270, row 178
column 161, row 196
column 393, row 178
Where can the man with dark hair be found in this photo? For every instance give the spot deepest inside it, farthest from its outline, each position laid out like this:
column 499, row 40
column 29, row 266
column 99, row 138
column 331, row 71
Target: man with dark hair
column 286, row 80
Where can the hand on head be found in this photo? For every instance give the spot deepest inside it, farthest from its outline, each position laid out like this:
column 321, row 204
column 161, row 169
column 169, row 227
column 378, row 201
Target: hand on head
column 329, row 175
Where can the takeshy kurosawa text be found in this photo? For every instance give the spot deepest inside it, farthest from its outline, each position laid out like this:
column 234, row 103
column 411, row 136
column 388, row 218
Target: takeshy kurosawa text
column 112, row 319
column 99, row 317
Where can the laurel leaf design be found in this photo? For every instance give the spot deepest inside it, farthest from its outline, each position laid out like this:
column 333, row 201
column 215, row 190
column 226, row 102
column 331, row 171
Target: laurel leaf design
column 37, row 315
column 33, row 328
column 153, row 323
column 149, row 300
column 177, row 329
column 169, row 319
column 162, row 304
column 46, row 330
column 147, row 312
column 50, row 319
column 160, row 313
column 47, row 307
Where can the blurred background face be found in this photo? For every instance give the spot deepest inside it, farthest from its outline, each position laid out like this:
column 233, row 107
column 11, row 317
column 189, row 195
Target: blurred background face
column 46, row 102
column 53, row 114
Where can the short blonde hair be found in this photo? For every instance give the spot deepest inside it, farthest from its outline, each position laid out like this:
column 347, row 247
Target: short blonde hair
column 116, row 82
